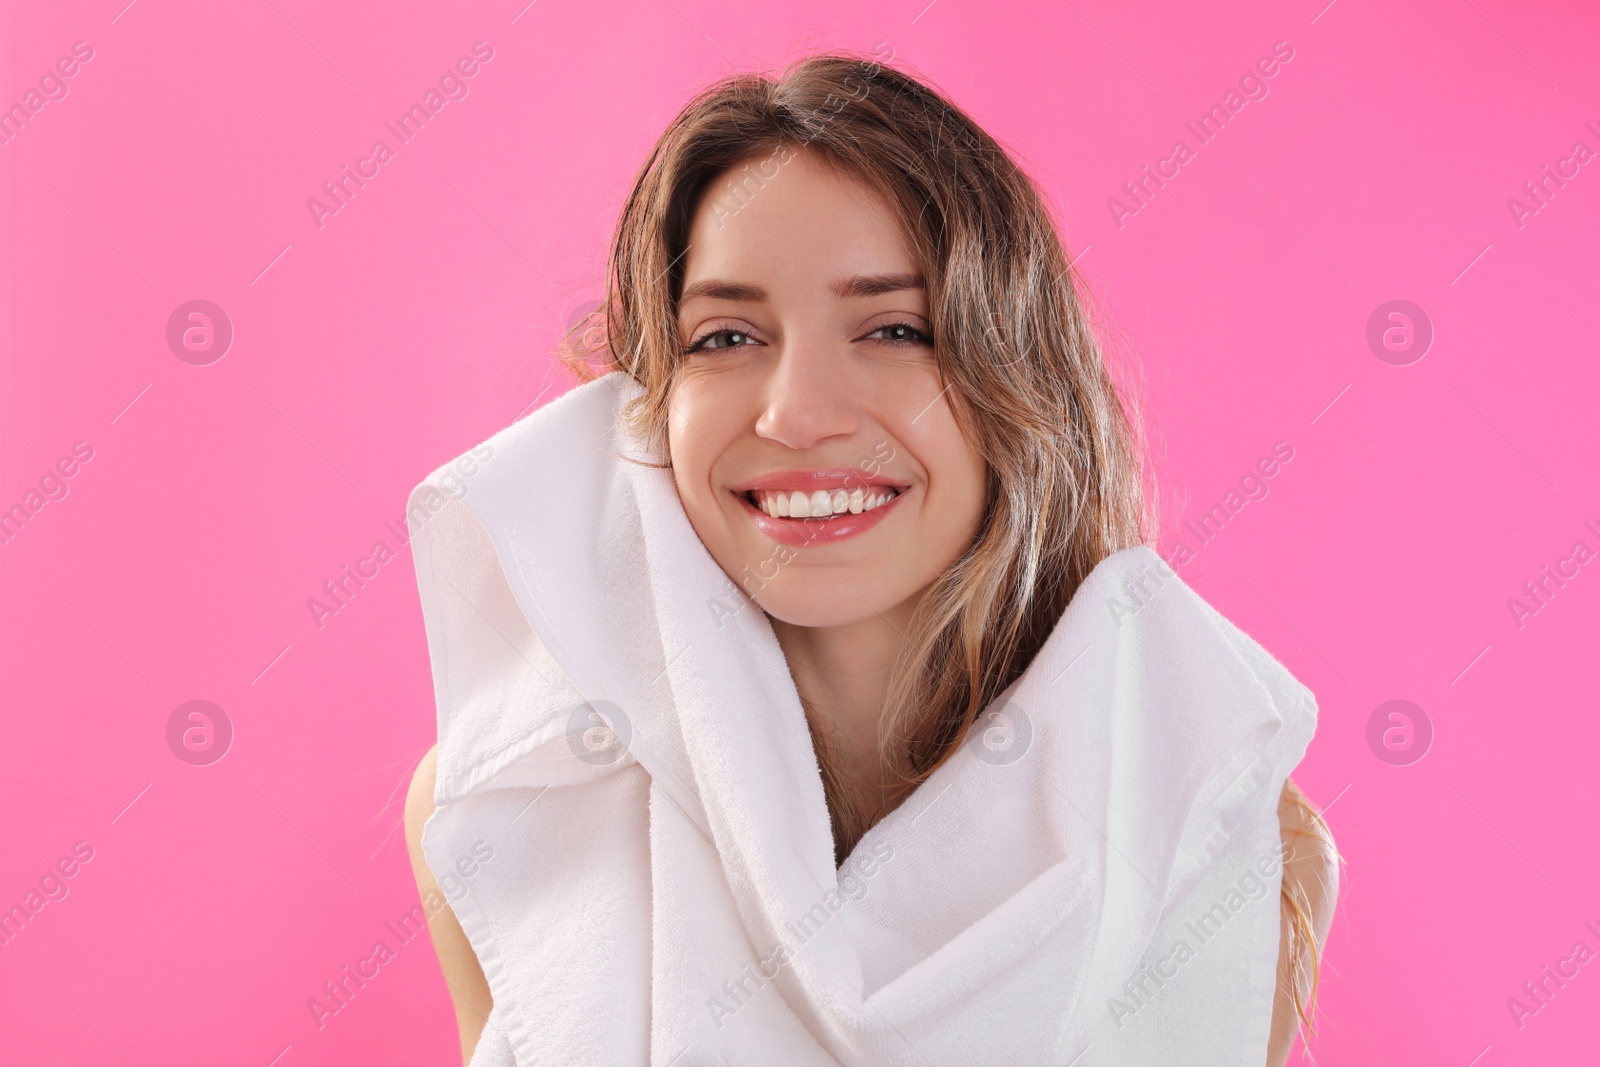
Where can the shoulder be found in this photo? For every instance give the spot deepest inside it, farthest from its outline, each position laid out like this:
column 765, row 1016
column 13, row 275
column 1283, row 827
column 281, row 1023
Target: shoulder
column 469, row 990
column 1310, row 858
column 1306, row 902
column 419, row 799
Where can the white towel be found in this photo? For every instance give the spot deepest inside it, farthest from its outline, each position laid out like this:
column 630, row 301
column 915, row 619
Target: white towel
column 1093, row 879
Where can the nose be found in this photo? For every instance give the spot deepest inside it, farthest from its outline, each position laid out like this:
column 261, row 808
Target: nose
column 807, row 399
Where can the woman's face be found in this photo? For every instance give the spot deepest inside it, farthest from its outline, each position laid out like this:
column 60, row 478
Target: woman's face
column 811, row 391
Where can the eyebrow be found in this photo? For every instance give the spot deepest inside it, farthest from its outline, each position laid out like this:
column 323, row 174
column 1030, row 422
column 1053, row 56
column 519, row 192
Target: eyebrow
column 858, row 285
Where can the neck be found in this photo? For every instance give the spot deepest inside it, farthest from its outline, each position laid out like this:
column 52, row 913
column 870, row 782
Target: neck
column 842, row 674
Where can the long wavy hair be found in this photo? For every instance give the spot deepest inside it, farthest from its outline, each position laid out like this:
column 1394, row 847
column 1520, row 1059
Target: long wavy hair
column 1067, row 465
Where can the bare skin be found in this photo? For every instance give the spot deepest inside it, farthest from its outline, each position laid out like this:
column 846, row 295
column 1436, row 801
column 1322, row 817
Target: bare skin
column 1311, row 873
column 801, row 366
column 811, row 349
column 469, row 990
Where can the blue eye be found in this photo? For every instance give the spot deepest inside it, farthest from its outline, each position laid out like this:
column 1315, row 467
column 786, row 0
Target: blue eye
column 899, row 334
column 738, row 339
column 903, row 333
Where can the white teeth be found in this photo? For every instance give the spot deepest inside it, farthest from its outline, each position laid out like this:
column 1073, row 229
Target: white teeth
column 822, row 502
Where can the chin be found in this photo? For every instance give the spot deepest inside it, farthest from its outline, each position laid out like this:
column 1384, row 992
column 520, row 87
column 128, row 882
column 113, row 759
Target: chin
column 824, row 603
column 803, row 613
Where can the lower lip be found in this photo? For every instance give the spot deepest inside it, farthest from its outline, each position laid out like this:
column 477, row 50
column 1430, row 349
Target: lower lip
column 803, row 532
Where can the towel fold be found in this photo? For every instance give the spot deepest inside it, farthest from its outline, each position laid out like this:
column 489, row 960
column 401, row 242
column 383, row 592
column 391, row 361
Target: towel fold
column 1092, row 879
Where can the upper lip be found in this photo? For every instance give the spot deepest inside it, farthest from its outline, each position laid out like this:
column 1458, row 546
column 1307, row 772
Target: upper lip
column 807, row 481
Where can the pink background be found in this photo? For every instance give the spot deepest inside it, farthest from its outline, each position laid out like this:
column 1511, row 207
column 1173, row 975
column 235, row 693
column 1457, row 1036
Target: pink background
column 420, row 318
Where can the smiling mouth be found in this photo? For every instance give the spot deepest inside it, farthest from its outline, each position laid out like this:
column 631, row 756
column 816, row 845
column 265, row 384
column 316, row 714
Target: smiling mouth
column 821, row 505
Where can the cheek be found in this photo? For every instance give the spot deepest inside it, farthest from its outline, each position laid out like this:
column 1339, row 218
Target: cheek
column 682, row 405
column 952, row 508
column 693, row 438
column 685, row 460
column 957, row 477
column 970, row 475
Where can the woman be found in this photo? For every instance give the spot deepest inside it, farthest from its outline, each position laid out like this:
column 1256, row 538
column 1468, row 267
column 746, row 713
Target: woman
column 843, row 319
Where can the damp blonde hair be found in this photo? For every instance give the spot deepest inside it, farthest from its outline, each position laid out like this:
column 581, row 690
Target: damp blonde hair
column 1034, row 387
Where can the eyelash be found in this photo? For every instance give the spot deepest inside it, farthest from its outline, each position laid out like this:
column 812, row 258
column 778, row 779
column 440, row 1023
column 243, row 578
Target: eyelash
column 919, row 338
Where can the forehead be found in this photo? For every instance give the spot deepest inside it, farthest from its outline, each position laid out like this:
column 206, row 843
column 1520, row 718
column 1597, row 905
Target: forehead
column 774, row 223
